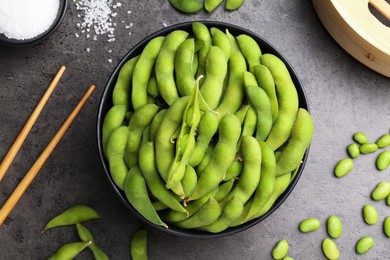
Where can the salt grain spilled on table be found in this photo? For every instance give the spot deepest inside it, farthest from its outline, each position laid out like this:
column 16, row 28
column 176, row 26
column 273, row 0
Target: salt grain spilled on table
column 26, row 19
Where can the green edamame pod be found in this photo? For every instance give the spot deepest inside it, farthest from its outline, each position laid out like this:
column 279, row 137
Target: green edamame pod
column 189, row 180
column 187, row 6
column 69, row 251
column 241, row 113
column 383, row 160
column 229, row 130
column 267, row 180
column 141, row 118
column 231, row 212
column 147, row 165
column 233, row 5
column 86, row 236
column 207, row 127
column 71, row 216
column 220, row 39
column 224, row 190
column 137, row 194
column 266, row 82
column 250, row 49
column 287, row 100
column 158, row 205
column 250, row 122
column 184, row 60
column 297, row 144
column 202, row 34
column 234, row 169
column 164, row 67
column 114, row 118
column 210, row 5
column 383, row 141
column 116, row 147
column 206, row 215
column 139, row 245
column 216, row 69
column 234, row 93
column 155, row 124
column 122, row 88
column 142, row 71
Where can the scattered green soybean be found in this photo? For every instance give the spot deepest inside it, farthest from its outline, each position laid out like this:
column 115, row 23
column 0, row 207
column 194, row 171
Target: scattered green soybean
column 330, row 249
column 381, row 191
column 233, row 5
column 386, row 226
column 383, row 141
column 309, row 225
column 343, row 167
column 360, row 138
column 370, row 214
column 334, row 226
column 280, row 250
column 364, row 244
column 368, row 148
column 353, row 150
column 383, row 160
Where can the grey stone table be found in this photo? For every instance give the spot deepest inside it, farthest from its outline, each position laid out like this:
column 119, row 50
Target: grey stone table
column 344, row 97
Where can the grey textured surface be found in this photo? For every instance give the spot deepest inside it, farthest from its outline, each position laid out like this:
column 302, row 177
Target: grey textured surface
column 344, row 97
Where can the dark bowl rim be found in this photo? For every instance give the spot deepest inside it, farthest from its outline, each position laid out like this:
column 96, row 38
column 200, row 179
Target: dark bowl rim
column 303, row 103
column 39, row 38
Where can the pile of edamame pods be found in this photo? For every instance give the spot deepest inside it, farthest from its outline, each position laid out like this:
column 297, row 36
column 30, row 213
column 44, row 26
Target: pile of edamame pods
column 205, row 131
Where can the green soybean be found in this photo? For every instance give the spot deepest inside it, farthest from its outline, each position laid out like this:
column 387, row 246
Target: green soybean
column 386, row 226
column 113, row 119
column 364, row 244
column 280, row 250
column 221, row 40
column 139, row 245
column 353, row 150
column 136, row 192
column 383, row 160
column 250, row 49
column 233, row 5
column 164, row 67
column 142, row 71
column 287, row 100
column 288, row 258
column 210, row 5
column 187, row 6
column 334, row 226
column 69, row 251
column 381, row 191
column 368, row 148
column 309, row 225
column 86, row 236
column 343, row 167
column 330, row 249
column 360, row 138
column 202, row 35
column 71, row 216
column 370, row 214
column 301, row 135
column 383, row 141
column 184, row 59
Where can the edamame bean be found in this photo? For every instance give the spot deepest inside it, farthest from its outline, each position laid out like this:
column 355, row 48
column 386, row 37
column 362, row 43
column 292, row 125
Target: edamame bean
column 287, row 100
column 288, row 258
column 184, row 59
column 220, row 39
column 139, row 245
column 383, row 141
column 266, row 82
column 343, row 167
column 229, row 130
column 202, row 35
column 122, row 88
column 142, row 71
column 141, row 118
column 368, row 148
column 330, row 249
column 386, row 226
column 233, row 5
column 210, row 5
column 309, row 225
column 216, row 69
column 86, row 236
column 364, row 244
column 334, row 226
column 164, row 67
column 353, row 150
column 370, row 214
column 381, row 191
column 250, row 49
column 206, row 215
column 299, row 141
column 388, row 201
column 231, row 212
column 71, row 216
column 69, row 251
column 137, row 194
column 280, row 250
column 114, row 118
column 147, row 165
column 187, row 6
column 383, row 160
column 360, row 138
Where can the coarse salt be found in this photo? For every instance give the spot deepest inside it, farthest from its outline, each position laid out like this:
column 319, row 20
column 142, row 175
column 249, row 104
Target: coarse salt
column 26, row 19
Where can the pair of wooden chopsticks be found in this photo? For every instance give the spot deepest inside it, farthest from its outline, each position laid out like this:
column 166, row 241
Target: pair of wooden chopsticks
column 30, row 175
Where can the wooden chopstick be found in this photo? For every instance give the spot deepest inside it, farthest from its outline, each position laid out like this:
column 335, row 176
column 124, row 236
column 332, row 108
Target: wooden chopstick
column 9, row 157
column 382, row 6
column 30, row 175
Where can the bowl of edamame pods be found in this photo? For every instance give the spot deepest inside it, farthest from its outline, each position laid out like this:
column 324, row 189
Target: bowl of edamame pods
column 203, row 129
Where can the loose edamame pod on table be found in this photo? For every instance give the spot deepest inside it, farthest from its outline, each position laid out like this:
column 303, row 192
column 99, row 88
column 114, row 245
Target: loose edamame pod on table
column 187, row 6
column 86, row 236
column 139, row 245
column 210, row 5
column 232, row 5
column 71, row 216
column 69, row 251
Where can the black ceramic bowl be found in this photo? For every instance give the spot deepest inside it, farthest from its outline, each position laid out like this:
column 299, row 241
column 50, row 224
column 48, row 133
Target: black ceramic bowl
column 106, row 104
column 4, row 40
